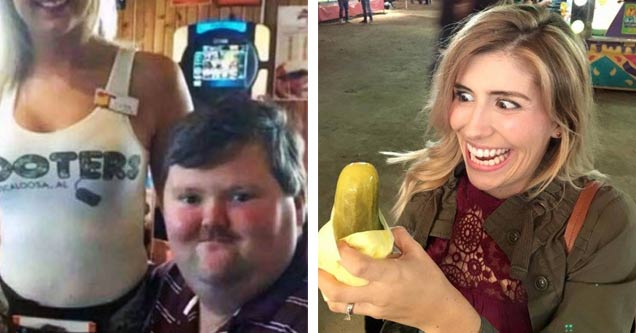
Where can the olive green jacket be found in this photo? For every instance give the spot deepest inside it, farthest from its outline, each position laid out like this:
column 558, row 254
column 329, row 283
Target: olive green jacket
column 593, row 289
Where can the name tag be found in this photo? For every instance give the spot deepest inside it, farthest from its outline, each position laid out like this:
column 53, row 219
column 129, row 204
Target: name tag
column 54, row 325
column 122, row 104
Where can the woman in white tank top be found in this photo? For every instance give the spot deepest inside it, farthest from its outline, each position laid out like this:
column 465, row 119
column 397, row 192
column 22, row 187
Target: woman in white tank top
column 73, row 162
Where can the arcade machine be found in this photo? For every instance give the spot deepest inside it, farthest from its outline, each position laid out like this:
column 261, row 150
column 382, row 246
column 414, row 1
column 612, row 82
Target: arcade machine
column 609, row 27
column 563, row 8
column 612, row 44
column 221, row 57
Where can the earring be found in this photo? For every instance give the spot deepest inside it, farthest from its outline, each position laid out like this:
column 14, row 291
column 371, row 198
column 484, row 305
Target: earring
column 557, row 135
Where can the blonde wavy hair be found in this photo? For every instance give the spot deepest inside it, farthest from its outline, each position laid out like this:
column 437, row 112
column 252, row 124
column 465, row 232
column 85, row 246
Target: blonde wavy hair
column 16, row 49
column 558, row 59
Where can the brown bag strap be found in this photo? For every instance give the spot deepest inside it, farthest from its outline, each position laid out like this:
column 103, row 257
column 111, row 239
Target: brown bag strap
column 582, row 205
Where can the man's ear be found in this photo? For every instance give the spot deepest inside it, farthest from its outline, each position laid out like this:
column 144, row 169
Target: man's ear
column 299, row 205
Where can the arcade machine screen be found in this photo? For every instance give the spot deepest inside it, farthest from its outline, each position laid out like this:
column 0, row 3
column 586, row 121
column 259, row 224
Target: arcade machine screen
column 220, row 66
column 563, row 8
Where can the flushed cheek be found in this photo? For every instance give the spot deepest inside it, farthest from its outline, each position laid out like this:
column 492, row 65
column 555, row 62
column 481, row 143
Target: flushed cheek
column 257, row 219
column 183, row 223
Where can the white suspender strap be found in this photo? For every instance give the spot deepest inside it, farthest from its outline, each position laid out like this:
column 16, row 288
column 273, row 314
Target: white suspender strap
column 120, row 74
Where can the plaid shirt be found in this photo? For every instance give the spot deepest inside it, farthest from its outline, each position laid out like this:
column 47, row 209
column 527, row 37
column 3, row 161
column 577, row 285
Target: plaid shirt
column 280, row 309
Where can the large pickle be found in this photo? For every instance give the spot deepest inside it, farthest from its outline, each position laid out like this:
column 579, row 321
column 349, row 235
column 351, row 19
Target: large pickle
column 356, row 200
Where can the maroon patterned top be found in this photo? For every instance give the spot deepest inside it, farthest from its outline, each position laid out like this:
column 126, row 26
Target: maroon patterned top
column 477, row 267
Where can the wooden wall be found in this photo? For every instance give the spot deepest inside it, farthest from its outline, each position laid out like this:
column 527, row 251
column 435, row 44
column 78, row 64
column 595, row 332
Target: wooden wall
column 149, row 25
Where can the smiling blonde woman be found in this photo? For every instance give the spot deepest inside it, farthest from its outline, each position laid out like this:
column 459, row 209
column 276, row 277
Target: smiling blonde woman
column 485, row 206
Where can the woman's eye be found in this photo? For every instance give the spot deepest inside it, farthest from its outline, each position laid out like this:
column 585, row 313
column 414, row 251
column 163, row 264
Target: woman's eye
column 190, row 199
column 508, row 105
column 463, row 96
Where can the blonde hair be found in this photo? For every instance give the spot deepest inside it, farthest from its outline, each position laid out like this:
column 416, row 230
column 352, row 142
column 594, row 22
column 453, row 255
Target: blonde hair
column 558, row 59
column 16, row 49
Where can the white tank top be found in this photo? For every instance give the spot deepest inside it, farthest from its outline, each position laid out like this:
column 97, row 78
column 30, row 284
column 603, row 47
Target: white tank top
column 71, row 204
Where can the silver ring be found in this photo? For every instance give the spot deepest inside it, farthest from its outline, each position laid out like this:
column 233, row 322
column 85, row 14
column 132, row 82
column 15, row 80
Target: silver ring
column 349, row 311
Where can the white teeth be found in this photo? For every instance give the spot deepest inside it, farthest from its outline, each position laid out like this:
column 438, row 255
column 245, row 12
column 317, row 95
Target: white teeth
column 487, row 157
column 51, row 3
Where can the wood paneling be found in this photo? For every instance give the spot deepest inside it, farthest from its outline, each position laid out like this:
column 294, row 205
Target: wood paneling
column 149, row 24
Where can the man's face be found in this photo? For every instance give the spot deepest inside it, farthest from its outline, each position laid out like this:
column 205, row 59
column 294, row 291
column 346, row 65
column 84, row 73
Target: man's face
column 231, row 224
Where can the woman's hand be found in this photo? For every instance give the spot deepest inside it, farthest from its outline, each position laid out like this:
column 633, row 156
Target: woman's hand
column 409, row 289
